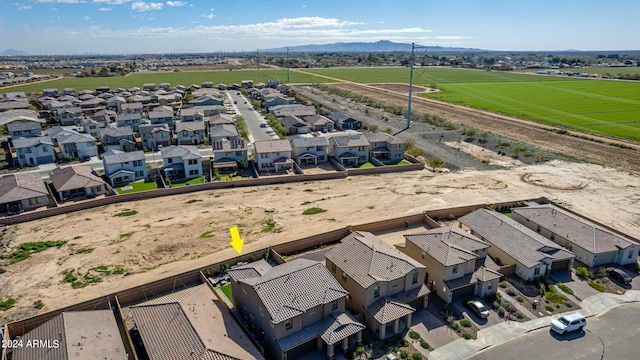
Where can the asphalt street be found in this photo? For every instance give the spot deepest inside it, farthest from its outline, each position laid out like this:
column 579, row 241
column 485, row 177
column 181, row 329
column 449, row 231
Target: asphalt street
column 251, row 117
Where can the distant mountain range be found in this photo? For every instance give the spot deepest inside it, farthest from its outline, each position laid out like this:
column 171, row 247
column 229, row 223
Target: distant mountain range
column 379, row 46
column 12, row 52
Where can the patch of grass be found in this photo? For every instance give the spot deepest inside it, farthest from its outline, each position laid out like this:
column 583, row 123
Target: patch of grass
column 565, row 288
column 226, row 289
column 366, row 165
column 191, row 201
column 126, row 212
column 308, row 190
column 137, row 187
column 313, row 211
column 270, row 226
column 465, row 323
column 25, row 250
column 87, row 250
column 38, row 304
column 306, row 203
column 7, row 304
column 119, row 270
column 125, row 236
column 209, row 233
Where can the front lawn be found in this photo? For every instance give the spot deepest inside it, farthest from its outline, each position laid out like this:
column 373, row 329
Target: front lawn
column 136, row 187
column 226, row 289
column 366, row 165
column 401, row 162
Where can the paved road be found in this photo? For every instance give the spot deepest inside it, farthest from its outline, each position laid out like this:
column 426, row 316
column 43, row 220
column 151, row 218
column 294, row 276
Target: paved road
column 251, row 116
column 618, row 328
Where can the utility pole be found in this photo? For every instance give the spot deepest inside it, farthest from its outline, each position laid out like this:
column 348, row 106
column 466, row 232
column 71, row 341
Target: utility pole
column 258, row 58
column 288, row 78
column 411, row 61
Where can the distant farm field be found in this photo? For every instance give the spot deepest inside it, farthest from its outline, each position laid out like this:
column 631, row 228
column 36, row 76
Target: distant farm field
column 597, row 106
column 185, row 78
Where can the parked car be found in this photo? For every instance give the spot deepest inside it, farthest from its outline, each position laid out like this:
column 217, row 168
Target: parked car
column 568, row 323
column 263, row 125
column 619, row 275
column 477, row 308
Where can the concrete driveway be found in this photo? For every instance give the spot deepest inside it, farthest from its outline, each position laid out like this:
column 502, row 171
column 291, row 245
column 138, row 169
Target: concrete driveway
column 431, row 328
column 493, row 318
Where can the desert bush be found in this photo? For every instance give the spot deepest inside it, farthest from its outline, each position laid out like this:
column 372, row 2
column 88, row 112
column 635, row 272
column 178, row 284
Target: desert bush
column 582, row 272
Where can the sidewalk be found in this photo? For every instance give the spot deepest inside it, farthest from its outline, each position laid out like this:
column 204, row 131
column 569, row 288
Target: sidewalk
column 499, row 334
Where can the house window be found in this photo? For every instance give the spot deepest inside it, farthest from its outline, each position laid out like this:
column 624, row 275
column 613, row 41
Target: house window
column 454, row 270
column 333, row 268
column 238, row 153
column 361, row 148
column 193, row 162
column 139, row 174
column 170, row 161
column 394, row 283
column 334, row 305
column 45, row 149
column 193, row 172
column 264, row 156
column 344, row 276
column 414, row 278
column 288, row 325
column 34, row 201
column 490, row 286
column 536, row 272
column 376, row 291
column 319, row 148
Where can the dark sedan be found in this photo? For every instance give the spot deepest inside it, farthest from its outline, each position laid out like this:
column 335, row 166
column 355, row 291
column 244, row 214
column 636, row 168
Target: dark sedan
column 619, row 275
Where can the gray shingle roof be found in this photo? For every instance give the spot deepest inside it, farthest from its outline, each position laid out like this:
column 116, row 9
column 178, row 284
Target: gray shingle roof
column 182, row 151
column 122, row 157
column 21, row 186
column 367, row 259
column 189, row 126
column 523, row 244
column 292, row 288
column 270, row 146
column 225, row 130
column 576, row 229
column 382, row 137
column 117, row 131
column 21, row 143
column 302, row 142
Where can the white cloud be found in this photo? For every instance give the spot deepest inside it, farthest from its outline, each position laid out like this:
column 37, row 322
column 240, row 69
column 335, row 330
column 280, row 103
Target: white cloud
column 210, row 15
column 112, row 2
column 22, row 6
column 59, row 1
column 176, row 3
column 86, row 18
column 105, row 9
column 143, row 6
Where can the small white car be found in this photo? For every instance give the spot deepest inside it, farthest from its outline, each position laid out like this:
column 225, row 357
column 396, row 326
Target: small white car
column 568, row 323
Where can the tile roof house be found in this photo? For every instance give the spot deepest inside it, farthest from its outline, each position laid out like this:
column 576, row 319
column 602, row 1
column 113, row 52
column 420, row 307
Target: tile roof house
column 24, row 128
column 90, row 334
column 319, row 123
column 309, row 150
column 207, row 100
column 344, row 121
column 218, row 132
column 384, row 284
column 592, row 244
column 124, row 167
column 299, row 110
column 34, row 151
column 161, row 116
column 294, row 125
column 350, row 150
column 132, row 120
column 73, row 181
column 296, row 307
column 191, row 324
column 220, row 119
column 190, row 132
column 181, row 162
column 72, row 144
column 69, row 116
column 514, row 244
column 456, row 261
column 154, row 135
column 191, row 114
column 384, row 147
column 229, row 154
column 22, row 191
column 273, row 155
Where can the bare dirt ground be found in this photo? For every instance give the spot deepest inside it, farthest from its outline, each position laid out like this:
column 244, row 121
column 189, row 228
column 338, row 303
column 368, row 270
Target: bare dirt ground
column 173, row 234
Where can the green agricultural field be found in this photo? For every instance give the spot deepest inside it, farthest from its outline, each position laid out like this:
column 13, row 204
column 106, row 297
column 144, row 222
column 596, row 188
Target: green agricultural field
column 596, row 106
column 185, row 78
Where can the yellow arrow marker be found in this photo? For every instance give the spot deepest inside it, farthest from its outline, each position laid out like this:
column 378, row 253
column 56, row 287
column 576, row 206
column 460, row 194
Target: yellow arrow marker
column 236, row 241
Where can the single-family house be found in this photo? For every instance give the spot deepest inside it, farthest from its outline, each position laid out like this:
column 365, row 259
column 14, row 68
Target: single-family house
column 72, row 144
column 161, row 115
column 319, row 123
column 22, row 191
column 132, row 120
column 593, row 245
column 90, row 105
column 165, row 86
column 275, row 100
column 344, row 121
column 191, row 114
column 296, row 308
column 92, row 334
column 181, row 162
column 24, row 128
column 530, row 254
column 223, row 131
column 92, row 127
column 50, row 92
column 349, row 150
column 124, row 167
column 211, row 110
column 34, row 151
column 294, row 125
column 76, row 181
column 309, row 150
column 456, row 261
column 149, row 87
column 131, row 108
column 273, row 155
column 298, row 110
column 384, row 285
column 120, row 138
column 167, row 99
column 207, row 84
column 69, row 91
column 155, row 136
column 102, row 89
column 104, row 117
column 191, row 132
column 247, row 84
column 384, row 147
column 116, row 102
column 219, row 119
column 195, row 322
column 70, row 116
column 229, row 154
column 208, row 100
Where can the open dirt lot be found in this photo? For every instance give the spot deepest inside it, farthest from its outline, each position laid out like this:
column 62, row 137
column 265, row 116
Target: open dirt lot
column 172, row 234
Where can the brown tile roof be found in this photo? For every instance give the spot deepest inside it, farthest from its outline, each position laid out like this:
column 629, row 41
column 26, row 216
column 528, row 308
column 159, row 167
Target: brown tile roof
column 21, row 186
column 332, row 329
column 271, row 146
column 368, row 259
column 74, row 177
column 386, row 310
column 448, row 245
column 191, row 324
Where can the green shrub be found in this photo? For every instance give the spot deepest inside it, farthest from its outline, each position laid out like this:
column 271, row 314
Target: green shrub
column 415, row 356
column 7, row 304
column 313, row 211
column 582, row 272
column 466, row 336
column 519, row 299
column 403, row 354
column 565, row 288
column 414, row 335
column 597, row 285
column 126, row 212
column 424, row 344
column 503, row 285
column 549, row 308
column 465, row 323
column 38, row 304
column 519, row 316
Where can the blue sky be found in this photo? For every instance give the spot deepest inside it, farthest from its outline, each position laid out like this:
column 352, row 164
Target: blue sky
column 135, row 26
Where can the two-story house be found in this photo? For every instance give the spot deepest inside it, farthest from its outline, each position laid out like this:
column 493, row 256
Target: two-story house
column 161, row 115
column 456, row 261
column 91, row 127
column 384, row 147
column 349, row 150
column 34, row 151
column 190, row 132
column 309, row 150
column 155, row 136
column 294, row 125
column 131, row 108
column 384, row 285
column 344, row 121
column 132, row 120
column 218, row 132
column 181, row 162
column 69, row 116
column 24, row 127
column 319, row 123
column 230, row 154
column 124, row 167
column 72, row 144
column 273, row 155
column 191, row 114
column 296, row 307
column 120, row 138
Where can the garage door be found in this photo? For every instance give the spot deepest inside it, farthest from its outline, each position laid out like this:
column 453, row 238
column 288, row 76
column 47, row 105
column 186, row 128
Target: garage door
column 300, row 350
column 44, row 159
column 462, row 292
column 560, row 265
